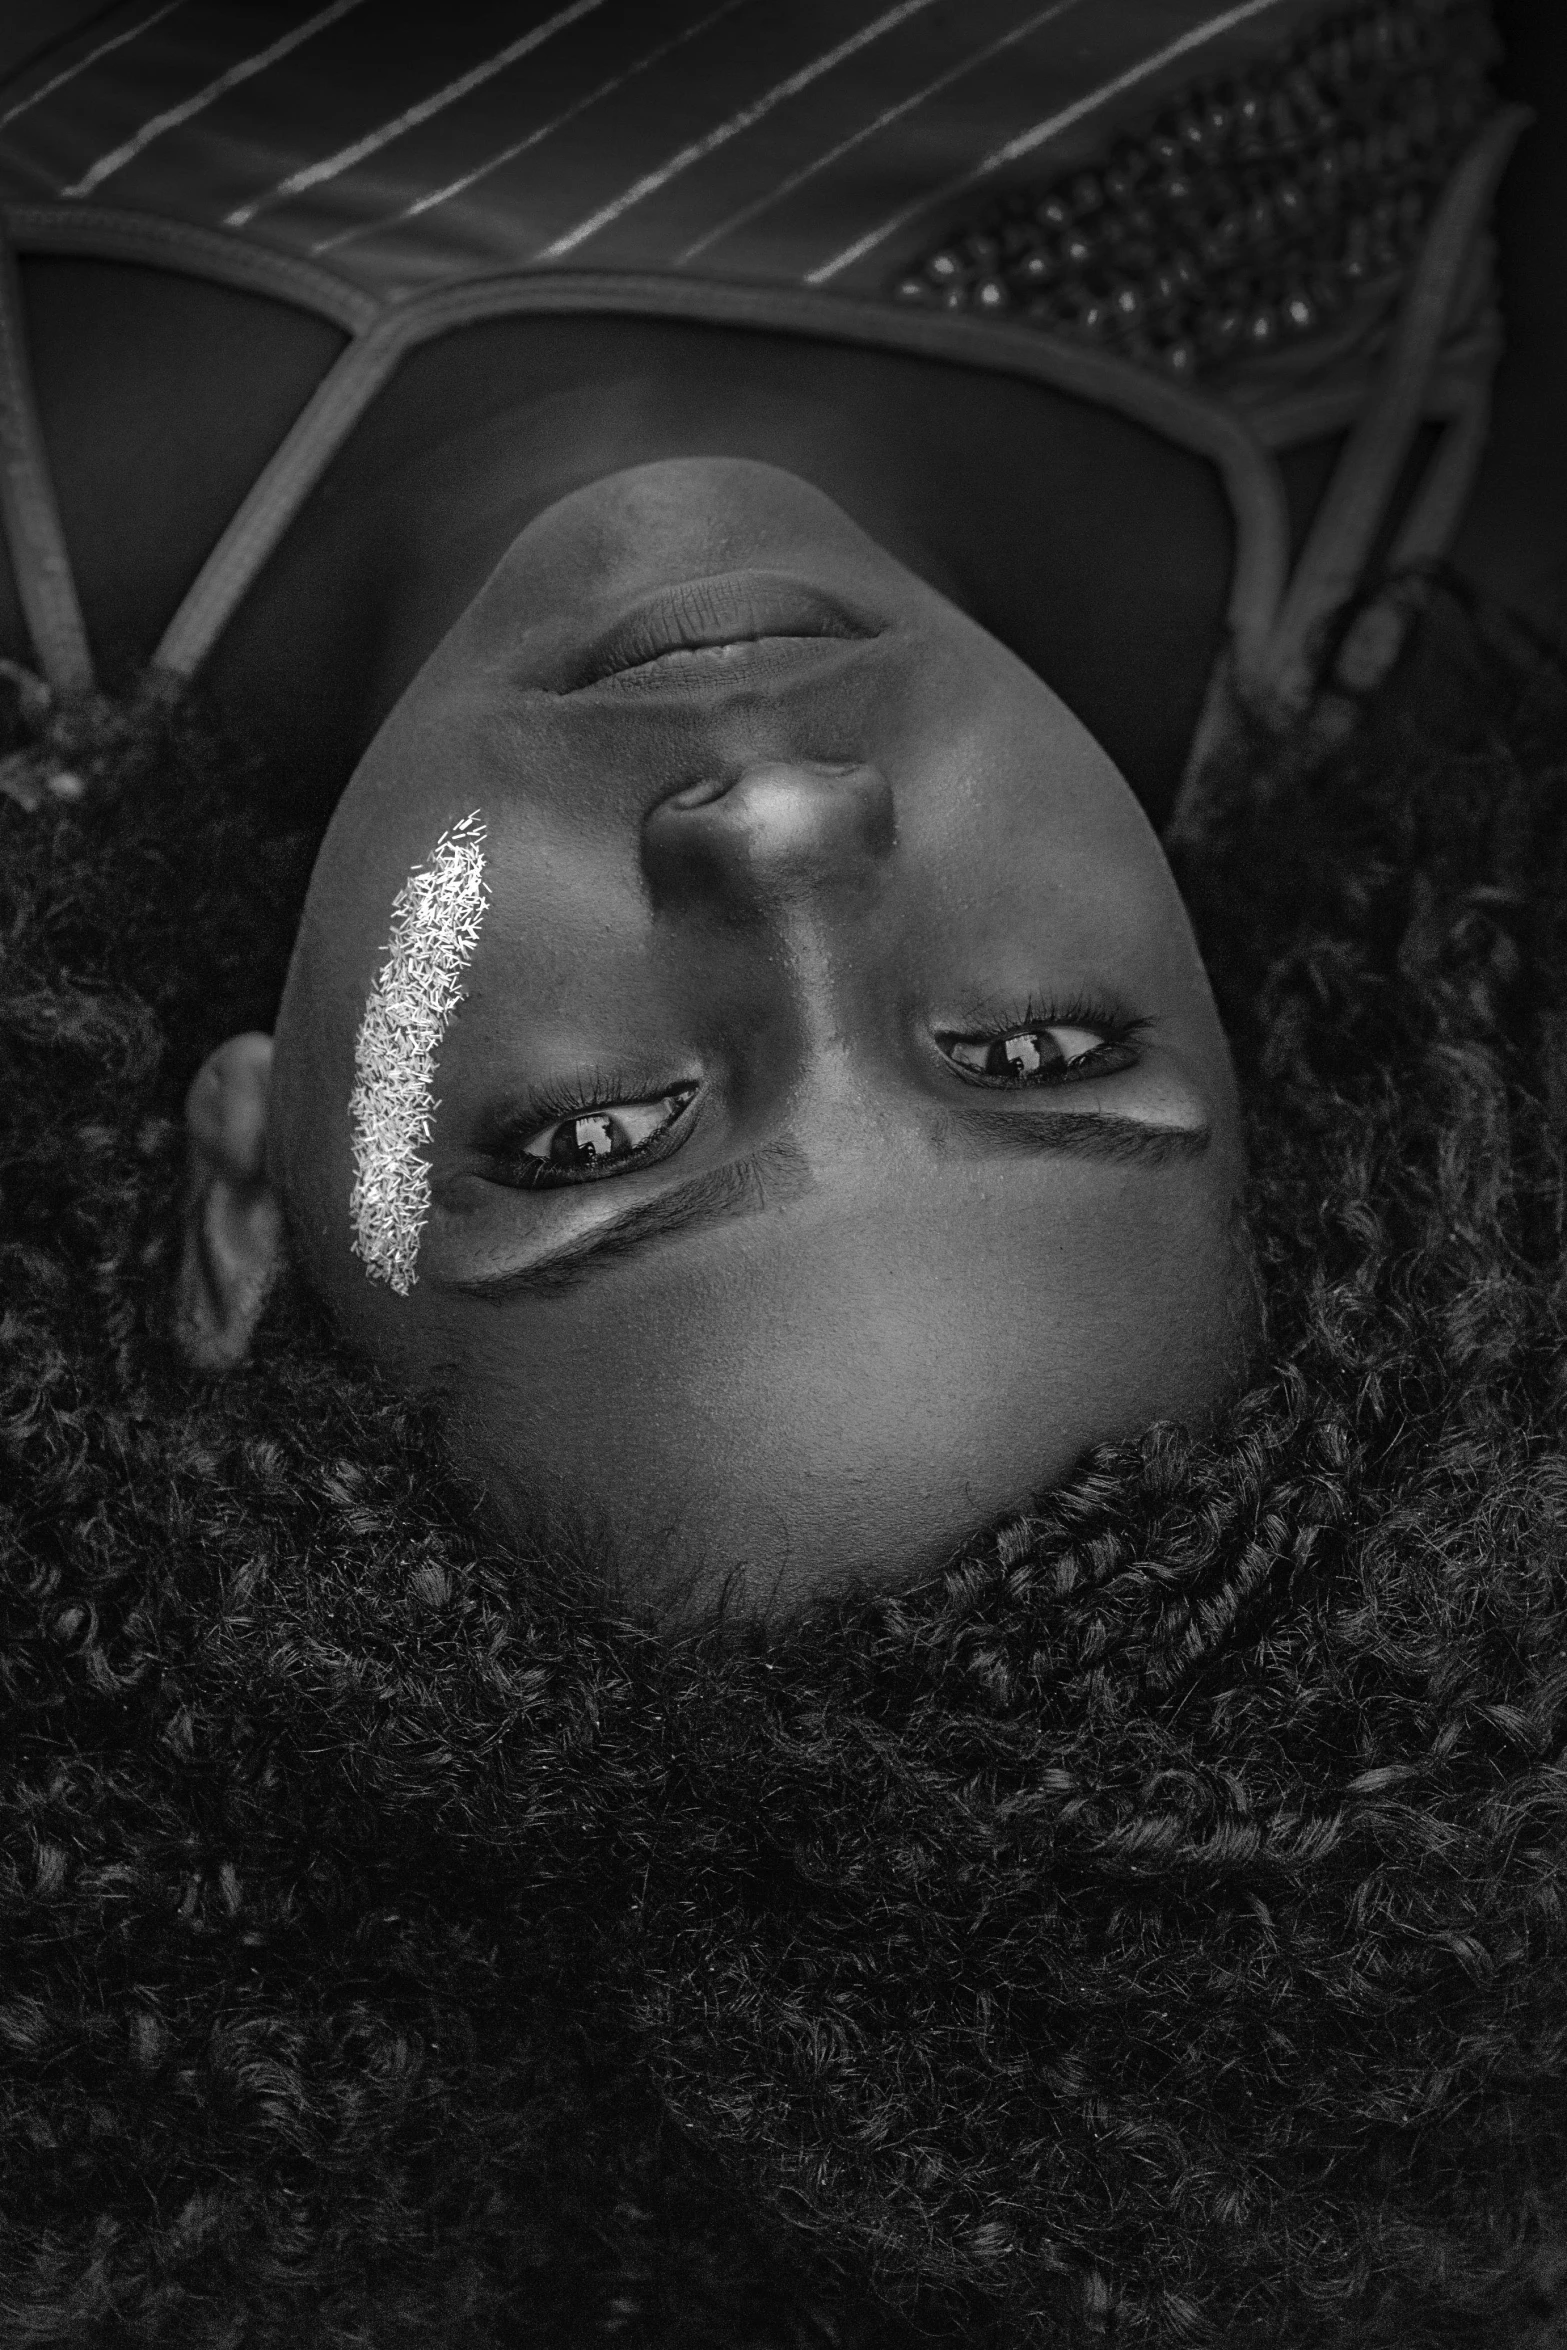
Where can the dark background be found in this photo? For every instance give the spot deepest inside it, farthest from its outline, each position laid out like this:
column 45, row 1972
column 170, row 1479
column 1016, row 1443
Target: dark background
column 1514, row 539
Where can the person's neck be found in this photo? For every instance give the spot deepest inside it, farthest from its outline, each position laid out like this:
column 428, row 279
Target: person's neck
column 1094, row 549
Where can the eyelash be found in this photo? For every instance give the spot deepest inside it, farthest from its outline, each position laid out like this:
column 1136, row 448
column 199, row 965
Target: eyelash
column 580, row 1097
column 1119, row 1030
column 589, row 1093
column 583, row 1096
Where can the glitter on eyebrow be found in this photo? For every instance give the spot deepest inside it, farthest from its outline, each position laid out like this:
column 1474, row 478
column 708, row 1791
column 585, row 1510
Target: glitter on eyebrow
column 435, row 928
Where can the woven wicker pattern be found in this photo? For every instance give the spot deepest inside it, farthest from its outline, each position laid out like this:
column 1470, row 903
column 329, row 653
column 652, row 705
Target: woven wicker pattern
column 1254, row 211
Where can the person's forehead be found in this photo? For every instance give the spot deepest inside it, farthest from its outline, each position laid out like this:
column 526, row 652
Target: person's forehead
column 871, row 1335
column 915, row 1211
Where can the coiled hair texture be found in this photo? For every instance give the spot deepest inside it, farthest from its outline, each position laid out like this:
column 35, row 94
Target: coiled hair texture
column 1149, row 1929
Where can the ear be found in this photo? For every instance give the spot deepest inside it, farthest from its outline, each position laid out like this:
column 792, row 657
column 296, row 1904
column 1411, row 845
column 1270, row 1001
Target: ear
column 233, row 1245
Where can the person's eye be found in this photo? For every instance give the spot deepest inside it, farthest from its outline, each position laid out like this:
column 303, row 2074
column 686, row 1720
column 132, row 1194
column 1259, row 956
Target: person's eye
column 589, row 1143
column 1044, row 1052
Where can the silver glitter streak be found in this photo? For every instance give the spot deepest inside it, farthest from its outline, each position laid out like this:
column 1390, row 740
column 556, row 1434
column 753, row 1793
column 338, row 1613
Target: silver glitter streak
column 435, row 928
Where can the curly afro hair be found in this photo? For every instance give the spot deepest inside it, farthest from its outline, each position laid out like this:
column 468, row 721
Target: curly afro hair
column 1151, row 1929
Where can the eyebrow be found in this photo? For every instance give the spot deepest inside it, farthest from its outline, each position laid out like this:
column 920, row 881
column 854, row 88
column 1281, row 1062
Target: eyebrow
column 779, row 1172
column 1087, row 1134
column 770, row 1177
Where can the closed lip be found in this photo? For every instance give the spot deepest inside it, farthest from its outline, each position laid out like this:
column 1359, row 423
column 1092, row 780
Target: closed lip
column 724, row 613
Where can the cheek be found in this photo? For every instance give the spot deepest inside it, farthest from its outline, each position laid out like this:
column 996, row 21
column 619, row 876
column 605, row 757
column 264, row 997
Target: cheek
column 568, row 923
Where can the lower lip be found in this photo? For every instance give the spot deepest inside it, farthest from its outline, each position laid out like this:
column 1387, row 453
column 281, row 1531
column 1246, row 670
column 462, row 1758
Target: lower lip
column 705, row 629
column 748, row 663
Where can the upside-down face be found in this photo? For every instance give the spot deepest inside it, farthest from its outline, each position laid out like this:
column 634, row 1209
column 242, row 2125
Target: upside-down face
column 746, row 1055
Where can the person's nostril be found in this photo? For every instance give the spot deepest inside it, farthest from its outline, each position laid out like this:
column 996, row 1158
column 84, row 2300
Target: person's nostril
column 769, row 832
column 719, row 786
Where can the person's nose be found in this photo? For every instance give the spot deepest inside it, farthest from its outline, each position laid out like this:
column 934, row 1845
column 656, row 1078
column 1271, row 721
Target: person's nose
column 771, row 836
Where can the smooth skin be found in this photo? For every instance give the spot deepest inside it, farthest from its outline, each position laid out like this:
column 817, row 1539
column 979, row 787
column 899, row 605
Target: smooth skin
column 797, row 885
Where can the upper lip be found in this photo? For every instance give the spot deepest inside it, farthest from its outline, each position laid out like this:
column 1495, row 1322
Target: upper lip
column 725, row 608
